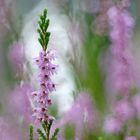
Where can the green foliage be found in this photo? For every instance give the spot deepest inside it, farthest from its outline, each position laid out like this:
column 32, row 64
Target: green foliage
column 53, row 110
column 42, row 30
column 42, row 135
column 94, row 47
column 100, row 138
column 40, row 138
column 49, row 126
column 31, row 132
column 44, row 132
column 44, row 126
column 69, row 132
column 55, row 134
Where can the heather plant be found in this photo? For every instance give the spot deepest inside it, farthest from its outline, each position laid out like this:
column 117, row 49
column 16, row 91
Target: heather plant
column 40, row 98
column 122, row 74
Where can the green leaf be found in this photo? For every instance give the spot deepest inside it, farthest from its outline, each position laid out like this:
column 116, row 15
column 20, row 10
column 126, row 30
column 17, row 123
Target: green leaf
column 47, row 22
column 47, row 41
column 69, row 131
column 40, row 41
column 48, row 34
column 45, row 13
column 41, row 36
column 40, row 25
column 42, row 19
column 39, row 31
column 42, row 135
column 49, row 126
column 44, row 126
column 55, row 134
column 31, row 132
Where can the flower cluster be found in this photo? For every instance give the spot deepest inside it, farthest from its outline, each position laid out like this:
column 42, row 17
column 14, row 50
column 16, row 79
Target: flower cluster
column 121, row 112
column 122, row 24
column 81, row 115
column 122, row 67
column 41, row 97
column 17, row 57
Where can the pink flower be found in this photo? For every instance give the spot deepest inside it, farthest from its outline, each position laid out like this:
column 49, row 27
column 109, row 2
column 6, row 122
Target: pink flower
column 121, row 73
column 41, row 98
column 16, row 56
column 124, row 110
column 8, row 131
column 112, row 125
column 82, row 112
column 122, row 65
column 82, row 115
column 19, row 101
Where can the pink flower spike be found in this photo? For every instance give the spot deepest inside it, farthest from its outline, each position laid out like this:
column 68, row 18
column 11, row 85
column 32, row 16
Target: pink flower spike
column 41, row 98
column 122, row 73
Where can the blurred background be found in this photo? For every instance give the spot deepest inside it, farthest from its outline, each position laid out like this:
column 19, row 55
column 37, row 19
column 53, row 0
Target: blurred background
column 84, row 100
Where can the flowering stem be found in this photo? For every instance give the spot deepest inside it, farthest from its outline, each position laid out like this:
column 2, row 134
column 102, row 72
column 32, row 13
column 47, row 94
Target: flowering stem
column 46, row 67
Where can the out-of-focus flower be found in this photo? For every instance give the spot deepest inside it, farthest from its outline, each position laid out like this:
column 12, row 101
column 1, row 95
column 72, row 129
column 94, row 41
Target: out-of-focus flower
column 121, row 71
column 122, row 24
column 16, row 56
column 131, row 138
column 82, row 112
column 124, row 110
column 112, row 125
column 19, row 101
column 101, row 22
column 41, row 97
column 82, row 115
column 7, row 132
